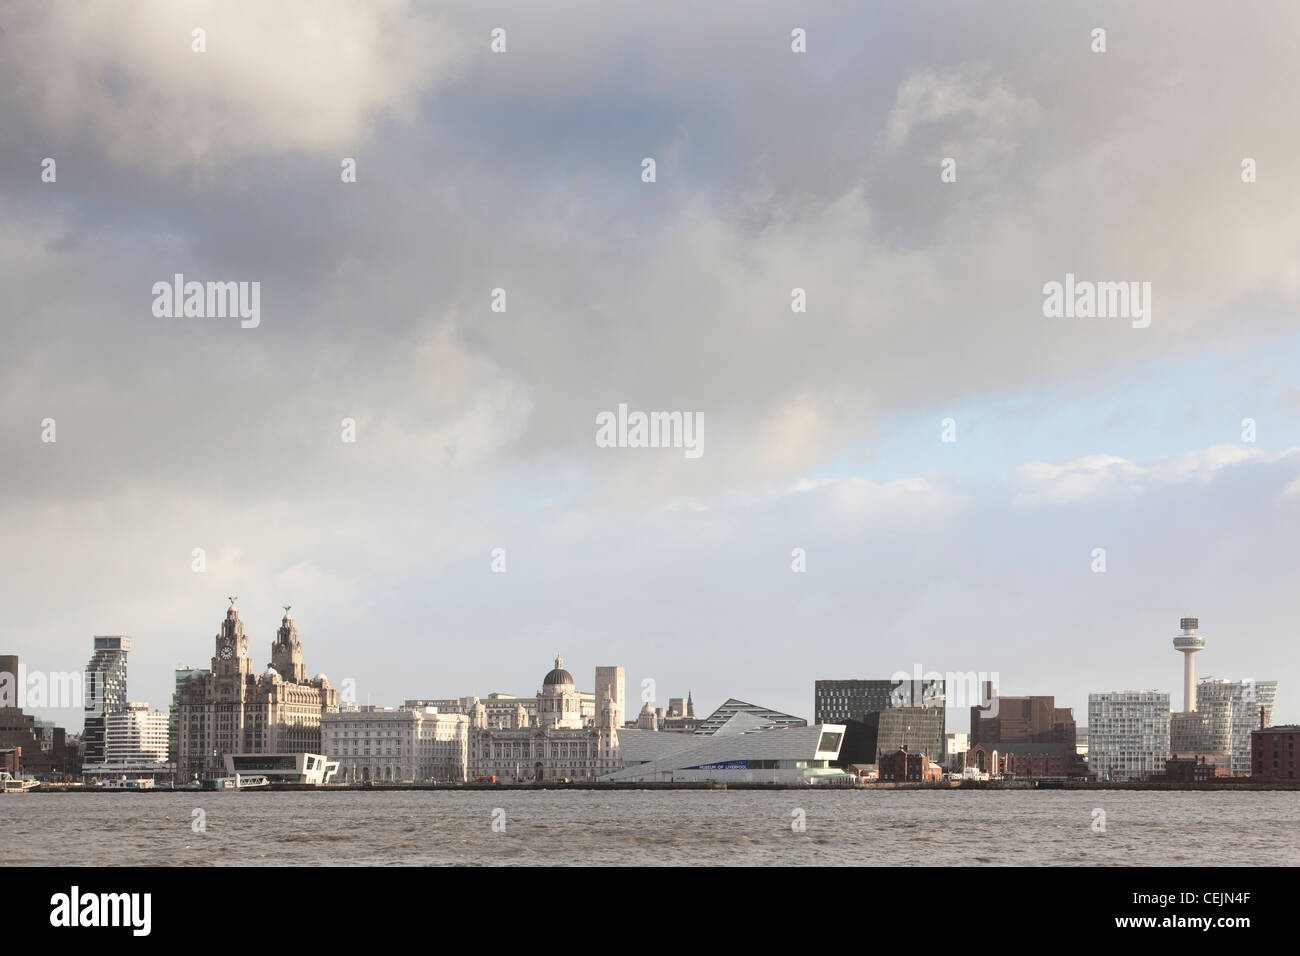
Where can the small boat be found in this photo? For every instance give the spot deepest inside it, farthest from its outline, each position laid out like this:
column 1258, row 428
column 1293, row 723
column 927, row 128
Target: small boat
column 11, row 784
column 237, row 782
column 140, row 783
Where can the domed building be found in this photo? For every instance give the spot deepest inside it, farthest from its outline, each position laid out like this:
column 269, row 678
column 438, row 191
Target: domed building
column 558, row 702
column 559, row 743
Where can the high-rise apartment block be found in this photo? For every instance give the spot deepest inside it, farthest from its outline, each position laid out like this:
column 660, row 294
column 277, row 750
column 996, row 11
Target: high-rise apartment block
column 105, row 690
column 135, row 740
column 1226, row 713
column 1128, row 734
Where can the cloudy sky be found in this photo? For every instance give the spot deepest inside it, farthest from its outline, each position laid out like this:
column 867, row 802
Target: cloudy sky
column 475, row 429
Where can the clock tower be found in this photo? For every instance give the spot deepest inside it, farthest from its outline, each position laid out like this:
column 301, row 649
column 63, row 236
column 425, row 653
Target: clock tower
column 232, row 710
column 232, row 658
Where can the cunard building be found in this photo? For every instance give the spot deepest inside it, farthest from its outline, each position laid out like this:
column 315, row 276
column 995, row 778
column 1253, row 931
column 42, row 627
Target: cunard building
column 233, row 710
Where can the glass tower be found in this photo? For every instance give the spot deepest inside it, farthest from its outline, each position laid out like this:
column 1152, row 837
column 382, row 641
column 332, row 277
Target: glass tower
column 105, row 692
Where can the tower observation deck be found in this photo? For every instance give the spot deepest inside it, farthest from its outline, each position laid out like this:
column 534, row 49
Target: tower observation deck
column 1188, row 643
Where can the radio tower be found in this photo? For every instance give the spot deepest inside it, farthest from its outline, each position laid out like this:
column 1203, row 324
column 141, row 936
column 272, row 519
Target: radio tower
column 1188, row 643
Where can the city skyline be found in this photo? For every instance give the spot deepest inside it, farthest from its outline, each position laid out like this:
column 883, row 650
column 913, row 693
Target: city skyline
column 959, row 698
column 461, row 267
column 731, row 436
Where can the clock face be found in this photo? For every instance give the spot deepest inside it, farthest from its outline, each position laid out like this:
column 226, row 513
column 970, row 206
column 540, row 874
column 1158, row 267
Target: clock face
column 227, row 652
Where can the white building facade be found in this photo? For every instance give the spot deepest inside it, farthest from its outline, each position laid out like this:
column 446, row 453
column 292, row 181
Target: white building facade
column 1128, row 734
column 793, row 756
column 397, row 745
column 135, row 740
column 1229, row 711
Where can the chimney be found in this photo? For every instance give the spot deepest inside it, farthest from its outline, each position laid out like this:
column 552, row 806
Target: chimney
column 1261, row 718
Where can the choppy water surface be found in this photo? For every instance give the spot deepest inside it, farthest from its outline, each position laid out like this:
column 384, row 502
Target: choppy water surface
column 410, row 828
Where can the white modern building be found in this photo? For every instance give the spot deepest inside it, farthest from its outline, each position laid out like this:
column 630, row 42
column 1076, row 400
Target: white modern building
column 1229, row 711
column 790, row 755
column 135, row 744
column 1128, row 734
column 737, row 716
column 397, row 745
column 136, row 735
column 300, row 768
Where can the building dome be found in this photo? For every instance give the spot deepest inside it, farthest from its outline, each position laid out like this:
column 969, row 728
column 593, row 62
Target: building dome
column 272, row 675
column 324, row 681
column 558, row 676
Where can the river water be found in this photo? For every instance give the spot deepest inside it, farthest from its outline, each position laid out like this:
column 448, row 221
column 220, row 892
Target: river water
column 413, row 828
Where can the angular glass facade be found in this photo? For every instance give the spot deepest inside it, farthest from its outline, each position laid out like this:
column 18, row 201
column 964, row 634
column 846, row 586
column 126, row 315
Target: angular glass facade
column 105, row 692
column 840, row 700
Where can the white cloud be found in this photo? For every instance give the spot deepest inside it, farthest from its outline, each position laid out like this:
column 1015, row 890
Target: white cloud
column 1095, row 476
column 972, row 112
column 275, row 77
column 883, row 503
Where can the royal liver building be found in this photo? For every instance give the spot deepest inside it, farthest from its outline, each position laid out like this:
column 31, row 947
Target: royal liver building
column 232, row 710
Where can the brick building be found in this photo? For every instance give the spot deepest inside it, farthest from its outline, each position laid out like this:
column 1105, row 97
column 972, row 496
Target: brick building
column 1272, row 752
column 1022, row 720
column 907, row 765
column 45, row 749
column 1022, row 760
column 1197, row 768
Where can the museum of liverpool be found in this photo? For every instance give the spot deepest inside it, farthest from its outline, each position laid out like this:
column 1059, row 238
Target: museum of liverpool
column 790, row 756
